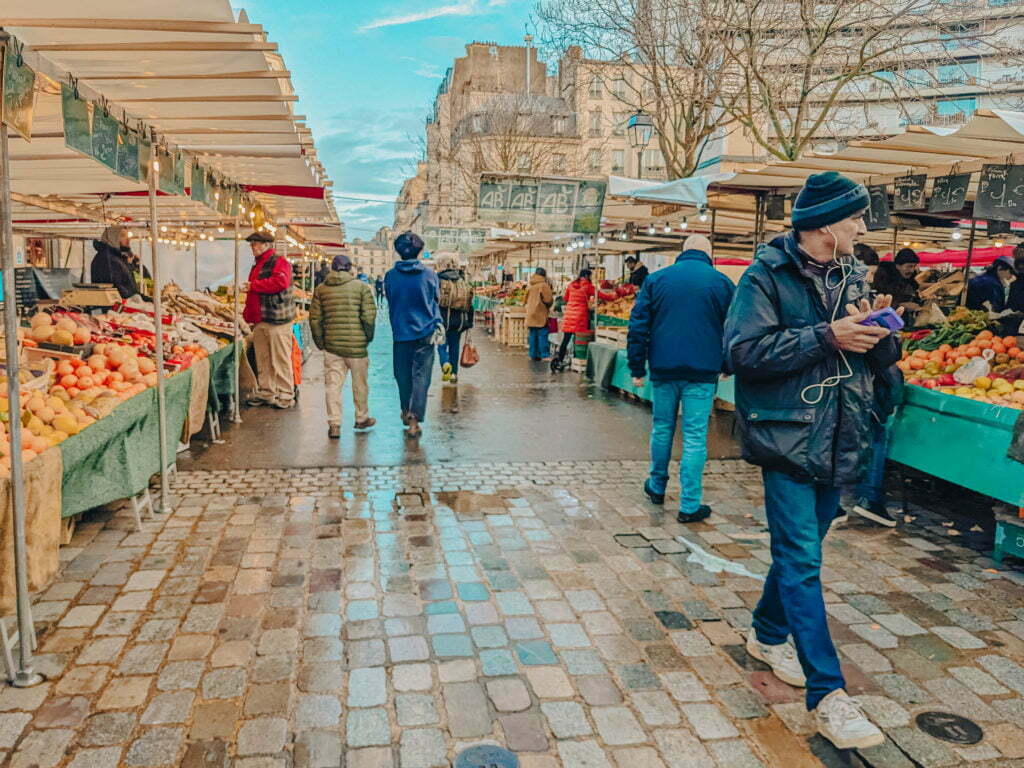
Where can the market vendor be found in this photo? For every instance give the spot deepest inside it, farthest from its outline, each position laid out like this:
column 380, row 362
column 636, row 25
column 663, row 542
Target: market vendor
column 991, row 289
column 110, row 266
column 270, row 309
column 637, row 270
column 897, row 279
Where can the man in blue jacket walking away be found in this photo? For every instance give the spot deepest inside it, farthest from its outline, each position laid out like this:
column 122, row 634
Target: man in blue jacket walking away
column 412, row 291
column 676, row 330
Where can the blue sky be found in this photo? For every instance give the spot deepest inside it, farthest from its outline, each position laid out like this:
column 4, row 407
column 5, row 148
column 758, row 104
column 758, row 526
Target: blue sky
column 366, row 72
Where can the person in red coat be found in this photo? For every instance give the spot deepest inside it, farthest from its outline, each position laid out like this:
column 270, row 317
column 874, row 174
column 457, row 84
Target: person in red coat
column 270, row 309
column 579, row 298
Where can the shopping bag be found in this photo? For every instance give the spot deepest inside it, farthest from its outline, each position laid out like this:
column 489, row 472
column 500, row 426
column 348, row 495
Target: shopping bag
column 470, row 356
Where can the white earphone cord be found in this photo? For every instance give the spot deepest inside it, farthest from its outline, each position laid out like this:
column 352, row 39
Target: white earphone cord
column 846, row 270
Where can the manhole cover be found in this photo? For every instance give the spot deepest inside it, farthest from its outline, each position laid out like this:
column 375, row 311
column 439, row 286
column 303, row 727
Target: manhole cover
column 486, row 756
column 949, row 727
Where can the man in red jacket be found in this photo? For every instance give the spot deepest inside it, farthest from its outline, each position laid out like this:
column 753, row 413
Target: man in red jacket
column 270, row 309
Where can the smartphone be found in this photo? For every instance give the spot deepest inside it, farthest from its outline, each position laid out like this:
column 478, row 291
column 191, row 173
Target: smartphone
column 885, row 318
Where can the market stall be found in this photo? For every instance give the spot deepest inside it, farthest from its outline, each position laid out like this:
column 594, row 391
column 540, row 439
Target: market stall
column 117, row 391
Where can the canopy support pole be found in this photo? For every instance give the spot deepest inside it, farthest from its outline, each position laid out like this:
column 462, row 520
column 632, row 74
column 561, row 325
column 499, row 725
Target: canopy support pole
column 714, row 215
column 236, row 415
column 24, row 676
column 158, row 320
column 967, row 263
column 195, row 265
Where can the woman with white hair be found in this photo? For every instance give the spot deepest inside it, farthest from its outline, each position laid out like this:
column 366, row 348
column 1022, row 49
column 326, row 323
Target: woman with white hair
column 456, row 300
column 110, row 266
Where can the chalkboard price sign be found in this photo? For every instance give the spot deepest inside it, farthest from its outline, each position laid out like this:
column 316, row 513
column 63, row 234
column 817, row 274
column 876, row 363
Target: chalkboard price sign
column 1000, row 193
column 909, row 192
column 996, row 227
column 949, row 192
column 775, row 207
column 25, row 286
column 877, row 215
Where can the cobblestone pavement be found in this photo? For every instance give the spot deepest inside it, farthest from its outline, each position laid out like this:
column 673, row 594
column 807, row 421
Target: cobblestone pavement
column 376, row 618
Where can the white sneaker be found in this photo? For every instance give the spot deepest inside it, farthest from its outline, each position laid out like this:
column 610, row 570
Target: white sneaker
column 840, row 720
column 781, row 658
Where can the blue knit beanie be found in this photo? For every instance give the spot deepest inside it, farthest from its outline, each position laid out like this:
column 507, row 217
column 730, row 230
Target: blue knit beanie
column 408, row 245
column 827, row 198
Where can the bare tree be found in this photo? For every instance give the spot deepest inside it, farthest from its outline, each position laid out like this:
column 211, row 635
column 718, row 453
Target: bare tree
column 801, row 70
column 658, row 56
column 511, row 133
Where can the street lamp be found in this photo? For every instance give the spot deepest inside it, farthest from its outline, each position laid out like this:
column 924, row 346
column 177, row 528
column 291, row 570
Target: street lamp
column 640, row 129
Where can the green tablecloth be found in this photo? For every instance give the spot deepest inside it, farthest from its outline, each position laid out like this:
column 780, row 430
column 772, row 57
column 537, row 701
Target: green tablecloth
column 222, row 373
column 484, row 304
column 115, row 457
column 959, row 440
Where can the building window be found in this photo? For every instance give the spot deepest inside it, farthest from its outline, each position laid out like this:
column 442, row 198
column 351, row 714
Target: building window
column 595, row 124
column 478, row 124
column 653, row 160
column 961, row 35
column 596, row 88
column 965, row 72
column 619, row 88
column 523, row 162
column 594, row 160
column 558, row 163
column 558, row 125
column 618, row 160
column 956, row 107
column 620, row 123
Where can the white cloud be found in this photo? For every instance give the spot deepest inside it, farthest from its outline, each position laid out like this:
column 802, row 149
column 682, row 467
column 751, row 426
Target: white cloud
column 460, row 8
column 426, row 69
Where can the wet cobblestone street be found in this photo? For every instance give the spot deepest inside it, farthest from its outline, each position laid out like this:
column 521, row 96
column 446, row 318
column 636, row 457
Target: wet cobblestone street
column 379, row 617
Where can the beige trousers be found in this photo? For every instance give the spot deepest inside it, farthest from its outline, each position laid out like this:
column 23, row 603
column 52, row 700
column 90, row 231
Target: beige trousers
column 275, row 382
column 335, row 370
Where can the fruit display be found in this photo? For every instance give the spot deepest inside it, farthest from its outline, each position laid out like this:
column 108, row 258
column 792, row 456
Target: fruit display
column 90, row 365
column 616, row 300
column 982, row 366
column 62, row 330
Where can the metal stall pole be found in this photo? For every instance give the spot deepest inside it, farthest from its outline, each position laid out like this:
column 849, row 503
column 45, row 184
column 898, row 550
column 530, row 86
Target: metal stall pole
column 714, row 216
column 195, row 265
column 161, row 403
column 236, row 415
column 24, row 676
column 967, row 263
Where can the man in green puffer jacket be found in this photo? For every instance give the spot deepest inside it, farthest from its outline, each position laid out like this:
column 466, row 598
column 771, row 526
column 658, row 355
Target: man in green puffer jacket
column 342, row 317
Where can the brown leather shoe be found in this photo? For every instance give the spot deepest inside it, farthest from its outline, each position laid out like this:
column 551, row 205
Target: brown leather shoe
column 414, row 429
column 333, row 431
column 366, row 424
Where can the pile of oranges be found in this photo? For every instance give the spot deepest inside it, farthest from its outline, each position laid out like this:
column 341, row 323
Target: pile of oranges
column 947, row 358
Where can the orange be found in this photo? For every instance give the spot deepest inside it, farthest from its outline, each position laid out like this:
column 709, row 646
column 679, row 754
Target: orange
column 1010, row 341
column 984, row 335
column 972, row 351
column 984, row 343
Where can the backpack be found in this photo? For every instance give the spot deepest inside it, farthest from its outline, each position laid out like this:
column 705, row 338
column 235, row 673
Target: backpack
column 456, row 294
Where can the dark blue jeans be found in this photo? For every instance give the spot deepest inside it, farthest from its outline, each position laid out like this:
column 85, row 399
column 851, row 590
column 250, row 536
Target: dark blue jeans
column 413, row 362
column 540, row 347
column 799, row 515
column 872, row 487
column 451, row 350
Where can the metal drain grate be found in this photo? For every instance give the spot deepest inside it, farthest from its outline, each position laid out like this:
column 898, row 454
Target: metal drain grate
column 949, row 727
column 486, row 756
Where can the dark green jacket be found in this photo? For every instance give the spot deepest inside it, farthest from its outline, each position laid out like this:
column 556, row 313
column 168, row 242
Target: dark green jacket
column 342, row 315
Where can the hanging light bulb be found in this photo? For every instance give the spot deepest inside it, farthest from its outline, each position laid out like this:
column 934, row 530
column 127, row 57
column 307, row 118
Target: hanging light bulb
column 221, row 229
column 163, row 228
column 601, row 241
column 956, row 234
column 999, row 243
column 703, row 214
column 555, row 251
column 668, row 229
column 650, row 230
column 184, row 230
column 684, row 224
